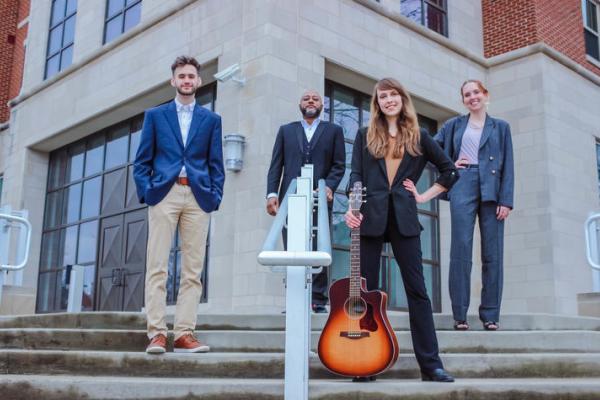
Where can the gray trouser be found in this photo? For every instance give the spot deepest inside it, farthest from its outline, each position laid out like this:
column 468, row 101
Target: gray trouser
column 465, row 206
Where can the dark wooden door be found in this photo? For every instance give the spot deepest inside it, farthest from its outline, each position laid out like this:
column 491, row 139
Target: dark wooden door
column 121, row 267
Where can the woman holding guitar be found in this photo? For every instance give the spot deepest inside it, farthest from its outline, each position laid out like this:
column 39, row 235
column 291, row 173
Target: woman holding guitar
column 388, row 158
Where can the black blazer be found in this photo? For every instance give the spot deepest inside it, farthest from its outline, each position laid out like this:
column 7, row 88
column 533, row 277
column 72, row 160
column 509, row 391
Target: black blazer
column 373, row 175
column 328, row 156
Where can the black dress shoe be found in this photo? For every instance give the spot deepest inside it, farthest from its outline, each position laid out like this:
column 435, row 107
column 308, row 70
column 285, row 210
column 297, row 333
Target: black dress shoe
column 364, row 378
column 437, row 375
column 319, row 309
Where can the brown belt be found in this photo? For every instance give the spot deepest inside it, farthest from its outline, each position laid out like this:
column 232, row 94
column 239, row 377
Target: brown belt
column 183, row 180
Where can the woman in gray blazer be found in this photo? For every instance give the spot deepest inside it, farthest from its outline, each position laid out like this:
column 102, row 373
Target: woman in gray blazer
column 481, row 148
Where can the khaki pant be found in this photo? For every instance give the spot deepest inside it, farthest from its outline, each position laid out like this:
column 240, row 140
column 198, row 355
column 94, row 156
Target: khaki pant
column 179, row 205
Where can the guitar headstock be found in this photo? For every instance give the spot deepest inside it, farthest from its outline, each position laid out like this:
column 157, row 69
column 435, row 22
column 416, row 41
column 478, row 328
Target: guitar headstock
column 356, row 197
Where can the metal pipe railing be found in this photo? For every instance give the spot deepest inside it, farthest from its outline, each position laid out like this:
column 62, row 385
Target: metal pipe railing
column 321, row 257
column 592, row 248
column 21, row 265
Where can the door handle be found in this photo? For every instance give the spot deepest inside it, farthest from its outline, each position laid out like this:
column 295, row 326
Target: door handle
column 118, row 277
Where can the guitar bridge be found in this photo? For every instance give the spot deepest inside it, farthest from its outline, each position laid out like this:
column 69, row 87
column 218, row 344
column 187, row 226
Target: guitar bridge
column 354, row 334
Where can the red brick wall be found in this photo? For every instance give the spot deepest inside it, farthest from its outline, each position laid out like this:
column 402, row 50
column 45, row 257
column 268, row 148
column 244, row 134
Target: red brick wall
column 512, row 24
column 12, row 49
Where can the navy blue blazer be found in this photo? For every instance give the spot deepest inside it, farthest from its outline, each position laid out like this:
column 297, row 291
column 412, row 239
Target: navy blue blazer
column 372, row 172
column 496, row 164
column 162, row 154
column 328, row 156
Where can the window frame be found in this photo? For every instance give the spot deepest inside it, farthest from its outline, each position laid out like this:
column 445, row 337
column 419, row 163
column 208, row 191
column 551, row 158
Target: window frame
column 587, row 29
column 62, row 47
column 423, row 22
column 108, row 19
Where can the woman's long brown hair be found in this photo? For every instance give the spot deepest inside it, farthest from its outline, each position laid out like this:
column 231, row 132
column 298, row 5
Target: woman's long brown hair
column 409, row 134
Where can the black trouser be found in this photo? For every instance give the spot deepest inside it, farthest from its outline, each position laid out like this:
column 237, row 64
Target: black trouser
column 320, row 283
column 407, row 251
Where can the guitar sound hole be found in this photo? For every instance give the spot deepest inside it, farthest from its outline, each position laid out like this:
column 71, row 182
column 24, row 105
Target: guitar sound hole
column 355, row 308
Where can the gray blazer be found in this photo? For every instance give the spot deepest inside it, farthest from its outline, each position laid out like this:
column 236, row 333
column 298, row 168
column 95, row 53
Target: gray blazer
column 496, row 164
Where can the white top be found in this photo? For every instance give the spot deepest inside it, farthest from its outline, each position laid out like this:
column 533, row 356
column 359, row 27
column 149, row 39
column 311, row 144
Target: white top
column 184, row 116
column 469, row 147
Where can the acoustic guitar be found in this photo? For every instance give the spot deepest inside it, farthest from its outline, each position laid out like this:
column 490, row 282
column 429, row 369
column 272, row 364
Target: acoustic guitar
column 357, row 340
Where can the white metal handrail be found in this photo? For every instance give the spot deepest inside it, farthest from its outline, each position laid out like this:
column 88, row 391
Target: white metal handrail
column 592, row 251
column 21, row 265
column 298, row 260
column 322, row 257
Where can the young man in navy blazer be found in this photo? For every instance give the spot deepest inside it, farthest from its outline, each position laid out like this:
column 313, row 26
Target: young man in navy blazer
column 179, row 173
column 308, row 141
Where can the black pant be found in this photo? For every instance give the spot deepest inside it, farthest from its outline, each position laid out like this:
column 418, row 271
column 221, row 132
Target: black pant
column 320, row 283
column 407, row 251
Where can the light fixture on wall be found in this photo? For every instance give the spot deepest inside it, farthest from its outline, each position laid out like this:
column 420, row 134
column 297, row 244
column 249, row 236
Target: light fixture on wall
column 232, row 72
column 234, row 151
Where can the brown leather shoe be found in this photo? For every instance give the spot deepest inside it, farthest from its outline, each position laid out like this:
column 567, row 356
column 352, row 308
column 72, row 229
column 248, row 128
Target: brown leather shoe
column 189, row 344
column 157, row 345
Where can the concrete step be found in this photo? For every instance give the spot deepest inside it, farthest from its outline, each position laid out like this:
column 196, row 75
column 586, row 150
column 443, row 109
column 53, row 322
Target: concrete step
column 399, row 320
column 273, row 341
column 271, row 365
column 51, row 387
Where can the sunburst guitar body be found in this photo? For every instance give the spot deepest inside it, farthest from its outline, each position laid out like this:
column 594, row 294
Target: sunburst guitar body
column 358, row 339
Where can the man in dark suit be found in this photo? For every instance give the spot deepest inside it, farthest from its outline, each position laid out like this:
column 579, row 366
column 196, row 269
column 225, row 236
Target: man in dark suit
column 308, row 141
column 179, row 173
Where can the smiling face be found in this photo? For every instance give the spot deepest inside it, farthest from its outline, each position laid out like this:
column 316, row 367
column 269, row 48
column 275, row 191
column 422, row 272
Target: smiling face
column 474, row 96
column 186, row 80
column 389, row 101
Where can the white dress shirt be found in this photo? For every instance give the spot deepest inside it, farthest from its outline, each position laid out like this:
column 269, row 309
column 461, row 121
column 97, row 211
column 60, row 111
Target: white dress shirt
column 184, row 116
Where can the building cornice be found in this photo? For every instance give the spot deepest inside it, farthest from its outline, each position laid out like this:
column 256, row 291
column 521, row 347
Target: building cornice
column 138, row 30
column 370, row 4
column 488, row 63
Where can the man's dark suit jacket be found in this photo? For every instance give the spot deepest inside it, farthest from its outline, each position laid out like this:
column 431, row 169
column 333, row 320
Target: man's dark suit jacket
column 328, row 156
column 373, row 175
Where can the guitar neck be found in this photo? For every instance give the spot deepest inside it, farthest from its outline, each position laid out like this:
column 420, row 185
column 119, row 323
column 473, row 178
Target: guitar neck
column 355, row 262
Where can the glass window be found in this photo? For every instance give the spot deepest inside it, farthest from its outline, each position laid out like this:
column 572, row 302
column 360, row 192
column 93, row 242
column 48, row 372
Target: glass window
column 121, row 16
column 69, row 245
column 72, row 203
column 61, row 35
column 591, row 15
column 52, row 215
column 90, row 203
column 86, row 249
column 1, row 183
column 50, row 250
column 94, row 156
column 116, row 146
column 431, row 13
column 75, row 162
column 598, row 162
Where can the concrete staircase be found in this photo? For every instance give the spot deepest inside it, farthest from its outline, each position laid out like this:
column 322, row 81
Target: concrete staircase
column 100, row 356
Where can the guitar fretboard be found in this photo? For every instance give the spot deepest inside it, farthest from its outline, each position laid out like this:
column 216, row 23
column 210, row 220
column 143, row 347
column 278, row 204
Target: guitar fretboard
column 355, row 261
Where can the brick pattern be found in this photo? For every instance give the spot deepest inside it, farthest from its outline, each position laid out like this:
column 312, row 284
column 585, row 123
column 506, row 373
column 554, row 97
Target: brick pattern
column 12, row 47
column 509, row 25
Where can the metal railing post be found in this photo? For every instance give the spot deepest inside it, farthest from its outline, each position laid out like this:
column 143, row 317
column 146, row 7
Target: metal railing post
column 75, row 298
column 5, row 226
column 591, row 229
column 298, row 260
